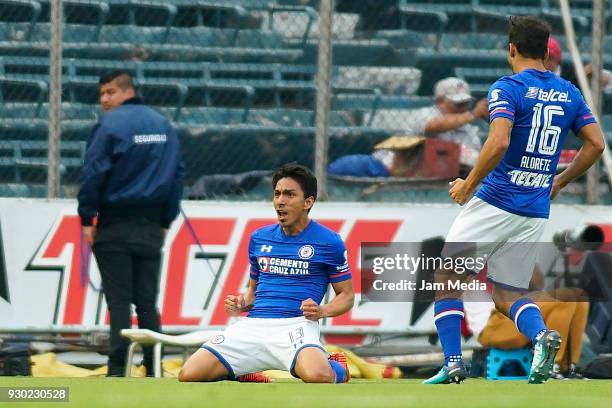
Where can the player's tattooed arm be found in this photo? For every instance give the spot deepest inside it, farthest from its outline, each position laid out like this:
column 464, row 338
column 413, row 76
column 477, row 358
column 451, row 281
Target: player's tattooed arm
column 236, row 304
column 341, row 303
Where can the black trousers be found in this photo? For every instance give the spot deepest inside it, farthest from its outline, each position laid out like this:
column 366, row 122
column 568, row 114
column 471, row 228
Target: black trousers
column 128, row 253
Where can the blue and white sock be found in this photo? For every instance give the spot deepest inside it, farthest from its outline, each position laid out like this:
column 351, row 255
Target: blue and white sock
column 339, row 370
column 448, row 314
column 527, row 317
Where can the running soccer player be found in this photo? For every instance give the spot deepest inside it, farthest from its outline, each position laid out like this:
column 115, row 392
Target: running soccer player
column 530, row 114
column 292, row 264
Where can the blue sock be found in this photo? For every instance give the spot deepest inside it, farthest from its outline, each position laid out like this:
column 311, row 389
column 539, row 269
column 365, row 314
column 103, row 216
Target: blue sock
column 527, row 317
column 339, row 370
column 448, row 314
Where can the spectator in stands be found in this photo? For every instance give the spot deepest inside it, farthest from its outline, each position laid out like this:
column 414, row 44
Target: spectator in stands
column 132, row 180
column 451, row 119
column 554, row 60
column 553, row 63
column 564, row 310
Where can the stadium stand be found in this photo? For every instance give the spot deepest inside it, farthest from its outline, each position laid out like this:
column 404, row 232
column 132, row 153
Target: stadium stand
column 236, row 76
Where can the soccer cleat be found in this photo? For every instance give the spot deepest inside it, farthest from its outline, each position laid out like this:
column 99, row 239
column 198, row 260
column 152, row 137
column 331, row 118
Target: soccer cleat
column 257, row 377
column 454, row 372
column 544, row 353
column 340, row 357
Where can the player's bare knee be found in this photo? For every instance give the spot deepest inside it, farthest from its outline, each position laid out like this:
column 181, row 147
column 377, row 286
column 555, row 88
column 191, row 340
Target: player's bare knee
column 186, row 375
column 319, row 376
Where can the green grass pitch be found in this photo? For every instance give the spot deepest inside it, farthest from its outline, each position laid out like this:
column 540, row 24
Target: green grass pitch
column 167, row 393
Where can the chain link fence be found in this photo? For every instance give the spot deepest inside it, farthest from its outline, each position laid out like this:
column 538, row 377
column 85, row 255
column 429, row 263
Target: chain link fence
column 238, row 80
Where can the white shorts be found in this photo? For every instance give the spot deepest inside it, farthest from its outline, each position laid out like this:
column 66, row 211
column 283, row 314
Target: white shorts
column 255, row 344
column 503, row 238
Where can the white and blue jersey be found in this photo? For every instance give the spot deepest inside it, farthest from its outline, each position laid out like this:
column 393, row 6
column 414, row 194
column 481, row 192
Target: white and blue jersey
column 291, row 269
column 543, row 108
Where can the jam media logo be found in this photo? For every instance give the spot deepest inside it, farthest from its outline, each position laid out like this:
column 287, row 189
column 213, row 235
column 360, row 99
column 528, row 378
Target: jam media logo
column 4, row 289
column 306, row 252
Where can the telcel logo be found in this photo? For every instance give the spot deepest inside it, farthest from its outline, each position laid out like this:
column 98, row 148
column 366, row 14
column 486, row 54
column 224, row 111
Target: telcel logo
column 553, row 96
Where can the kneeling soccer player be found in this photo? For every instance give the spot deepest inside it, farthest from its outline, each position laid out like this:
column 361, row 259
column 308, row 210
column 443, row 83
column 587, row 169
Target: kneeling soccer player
column 292, row 263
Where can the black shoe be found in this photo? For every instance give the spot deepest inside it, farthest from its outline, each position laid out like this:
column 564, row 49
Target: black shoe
column 574, row 374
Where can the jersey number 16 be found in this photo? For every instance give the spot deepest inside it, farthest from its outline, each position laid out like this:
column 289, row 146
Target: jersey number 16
column 547, row 132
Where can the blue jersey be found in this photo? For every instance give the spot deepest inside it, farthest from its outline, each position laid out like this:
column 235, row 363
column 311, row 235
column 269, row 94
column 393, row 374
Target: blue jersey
column 543, row 107
column 291, row 269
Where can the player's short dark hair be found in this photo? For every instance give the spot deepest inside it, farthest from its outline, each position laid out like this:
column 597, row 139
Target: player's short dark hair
column 124, row 79
column 301, row 174
column 530, row 36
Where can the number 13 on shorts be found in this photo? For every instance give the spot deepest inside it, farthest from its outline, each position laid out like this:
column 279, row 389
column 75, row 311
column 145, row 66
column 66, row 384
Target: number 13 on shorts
column 297, row 337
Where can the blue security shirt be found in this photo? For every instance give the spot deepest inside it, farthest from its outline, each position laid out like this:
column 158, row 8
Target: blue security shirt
column 132, row 166
column 543, row 107
column 291, row 269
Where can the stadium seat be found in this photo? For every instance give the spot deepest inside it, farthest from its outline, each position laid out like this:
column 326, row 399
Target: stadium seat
column 20, row 154
column 582, row 8
column 292, row 21
column 390, row 80
column 206, row 116
column 12, row 11
column 507, row 7
column 22, row 90
column 358, row 52
column 436, row 65
column 282, row 117
column 408, row 39
column 415, row 19
column 38, row 129
column 480, row 79
column 219, row 93
column 149, row 337
column 458, row 12
column 24, row 190
column 303, row 22
column 155, row 92
column 250, row 145
column 69, row 111
column 452, row 6
column 483, row 41
column 365, row 106
column 495, row 19
column 156, row 52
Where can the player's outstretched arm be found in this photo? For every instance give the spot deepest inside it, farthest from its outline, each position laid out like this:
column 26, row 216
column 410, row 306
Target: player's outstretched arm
column 342, row 303
column 588, row 154
column 492, row 152
column 236, row 304
column 450, row 121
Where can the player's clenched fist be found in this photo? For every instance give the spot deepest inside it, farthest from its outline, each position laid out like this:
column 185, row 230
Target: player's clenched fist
column 234, row 305
column 311, row 310
column 459, row 191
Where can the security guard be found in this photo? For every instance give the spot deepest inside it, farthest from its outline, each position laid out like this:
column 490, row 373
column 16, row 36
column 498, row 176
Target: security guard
column 132, row 180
